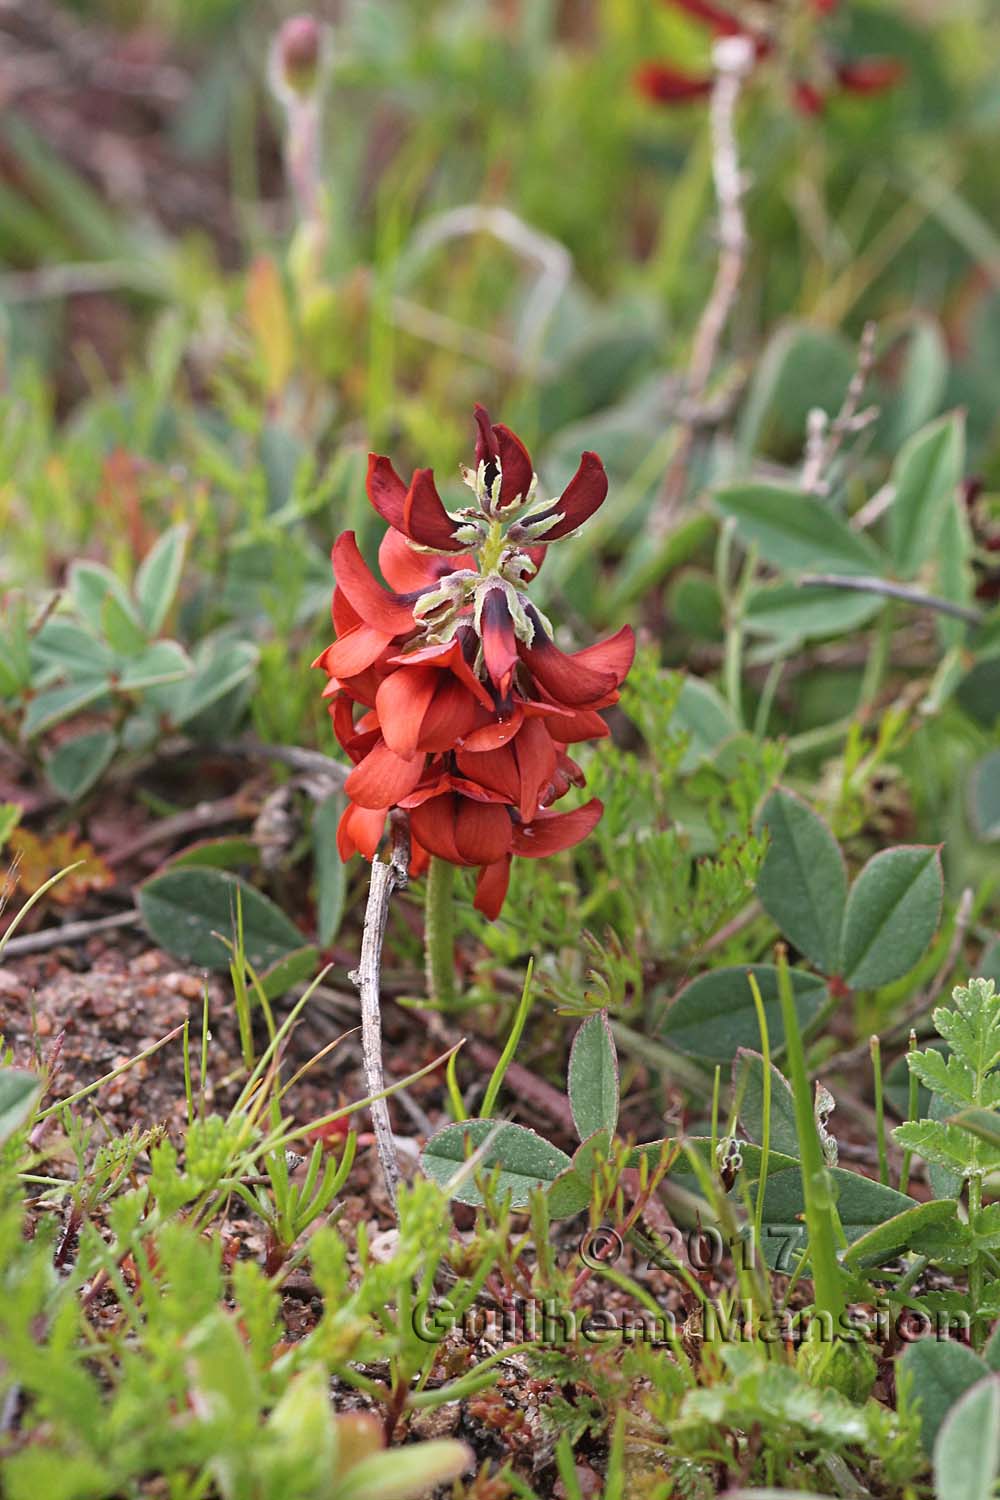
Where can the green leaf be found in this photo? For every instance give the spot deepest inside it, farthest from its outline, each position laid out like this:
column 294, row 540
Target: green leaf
column 945, row 1145
column 748, row 1090
column 714, row 1015
column 795, row 531
column 792, row 614
column 219, row 667
column 296, row 968
column 940, row 1372
column 982, row 1123
column 800, row 368
column 217, row 854
column 524, row 1159
column 406, row 1473
column 802, row 883
column 925, row 477
column 158, row 577
column 183, row 909
column 331, row 872
column 903, row 1232
column 76, row 653
column 967, row 1450
column 19, row 1093
column 706, row 718
column 984, row 797
column 861, row 1204
column 121, row 628
column 54, row 705
column 593, row 1078
column 77, row 764
column 892, row 914
column 572, row 1190
column 90, row 585
column 10, row 816
column 159, row 664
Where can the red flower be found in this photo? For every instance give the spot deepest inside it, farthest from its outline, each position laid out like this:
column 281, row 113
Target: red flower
column 446, row 688
column 665, row 84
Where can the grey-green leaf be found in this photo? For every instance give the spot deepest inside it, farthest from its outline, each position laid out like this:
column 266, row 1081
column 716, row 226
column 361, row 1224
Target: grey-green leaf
column 892, row 914
column 967, row 1450
column 925, row 476
column 748, row 1090
column 78, row 764
column 593, row 1078
column 984, row 797
column 795, row 531
column 184, row 908
column 940, row 1371
column 19, row 1093
column 524, row 1159
column 862, row 1204
column 904, row 1231
column 331, row 872
column 158, row 577
column 802, row 883
column 714, row 1016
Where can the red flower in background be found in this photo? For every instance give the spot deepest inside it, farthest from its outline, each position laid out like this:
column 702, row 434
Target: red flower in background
column 669, row 85
column 447, row 690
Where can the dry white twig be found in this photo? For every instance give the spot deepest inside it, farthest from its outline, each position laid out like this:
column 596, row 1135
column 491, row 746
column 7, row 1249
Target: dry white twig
column 824, row 438
column 733, row 58
column 386, row 877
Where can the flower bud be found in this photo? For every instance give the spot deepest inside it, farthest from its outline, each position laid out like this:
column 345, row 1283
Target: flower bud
column 297, row 52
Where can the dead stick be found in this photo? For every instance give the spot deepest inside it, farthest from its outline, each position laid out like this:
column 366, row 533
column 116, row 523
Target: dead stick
column 387, row 876
column 864, row 585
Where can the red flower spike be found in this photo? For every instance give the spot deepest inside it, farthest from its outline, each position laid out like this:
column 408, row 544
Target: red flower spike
column 666, row 85
column 870, row 75
column 462, row 721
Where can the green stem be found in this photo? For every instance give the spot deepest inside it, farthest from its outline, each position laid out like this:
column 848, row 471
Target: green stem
column 439, row 932
column 821, row 1226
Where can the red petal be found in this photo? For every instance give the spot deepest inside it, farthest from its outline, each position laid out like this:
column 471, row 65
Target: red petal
column 405, row 570
column 499, row 643
column 483, row 831
column 561, row 675
column 615, row 655
column 353, row 652
column 491, row 888
column 486, row 440
column 549, row 833
column 494, row 733
column 386, row 490
column 808, row 99
column 425, row 518
column 495, row 769
column 401, row 702
column 452, row 711
column 433, row 826
column 870, row 75
column 571, row 729
column 375, row 605
column 515, row 465
column 665, row 85
column 383, row 777
column 585, row 493
column 360, row 831
column 536, row 763
column 449, row 655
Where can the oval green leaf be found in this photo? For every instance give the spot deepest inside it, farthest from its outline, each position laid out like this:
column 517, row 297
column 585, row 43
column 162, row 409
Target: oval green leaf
column 185, row 909
column 524, row 1159
column 892, row 914
column 593, row 1078
column 714, row 1016
column 802, row 883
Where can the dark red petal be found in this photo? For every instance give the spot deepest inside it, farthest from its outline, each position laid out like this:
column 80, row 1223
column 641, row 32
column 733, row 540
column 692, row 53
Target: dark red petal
column 483, row 831
column 720, row 20
column 448, row 655
column 386, row 490
column 425, row 518
column 419, row 858
column 376, row 606
column 433, row 826
column 536, row 762
column 401, row 702
column 491, row 888
column 585, row 493
column 495, row 769
column 870, row 75
column 360, row 831
column 808, row 99
column 615, row 655
column 486, row 440
column 666, row 85
column 572, row 729
column 406, row 570
column 549, row 833
column 515, row 465
column 450, row 714
column 355, row 740
column 383, row 777
column 495, row 732
column 499, row 642
column 353, row 652
column 562, row 676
